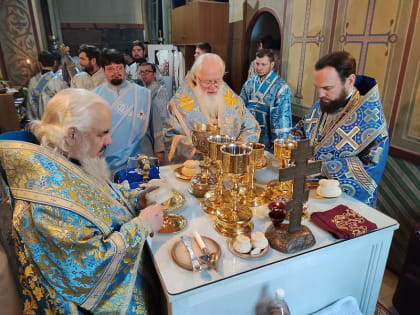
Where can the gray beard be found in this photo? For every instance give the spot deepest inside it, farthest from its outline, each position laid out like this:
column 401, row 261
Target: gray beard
column 97, row 168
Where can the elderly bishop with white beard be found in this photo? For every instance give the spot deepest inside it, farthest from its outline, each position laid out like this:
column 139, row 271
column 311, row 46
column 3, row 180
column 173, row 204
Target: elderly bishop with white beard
column 205, row 99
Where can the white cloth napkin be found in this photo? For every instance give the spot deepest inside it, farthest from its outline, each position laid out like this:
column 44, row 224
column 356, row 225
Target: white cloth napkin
column 345, row 306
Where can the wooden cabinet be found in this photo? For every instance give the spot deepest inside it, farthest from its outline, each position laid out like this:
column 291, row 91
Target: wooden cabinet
column 202, row 21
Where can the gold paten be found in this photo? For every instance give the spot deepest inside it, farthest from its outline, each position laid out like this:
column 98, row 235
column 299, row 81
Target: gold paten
column 172, row 223
column 177, row 201
column 263, row 253
column 178, row 174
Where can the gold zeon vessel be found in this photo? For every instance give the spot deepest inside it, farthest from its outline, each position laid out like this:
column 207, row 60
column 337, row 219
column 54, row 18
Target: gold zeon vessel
column 283, row 152
column 234, row 218
column 256, row 195
column 214, row 198
column 201, row 183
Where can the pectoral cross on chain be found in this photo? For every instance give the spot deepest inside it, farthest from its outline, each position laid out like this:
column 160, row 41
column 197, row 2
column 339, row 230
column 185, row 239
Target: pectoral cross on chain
column 302, row 168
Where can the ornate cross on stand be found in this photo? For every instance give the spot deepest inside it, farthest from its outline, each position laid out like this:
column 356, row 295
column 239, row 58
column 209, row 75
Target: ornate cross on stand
column 295, row 236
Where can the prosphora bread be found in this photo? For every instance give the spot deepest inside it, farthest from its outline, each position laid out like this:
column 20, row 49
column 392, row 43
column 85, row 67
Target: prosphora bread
column 191, row 163
column 160, row 195
column 259, row 240
column 190, row 168
column 329, row 188
column 242, row 244
column 190, row 172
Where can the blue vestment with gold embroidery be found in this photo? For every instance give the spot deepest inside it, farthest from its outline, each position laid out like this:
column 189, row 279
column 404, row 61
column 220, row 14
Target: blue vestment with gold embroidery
column 355, row 146
column 270, row 103
column 233, row 118
column 79, row 242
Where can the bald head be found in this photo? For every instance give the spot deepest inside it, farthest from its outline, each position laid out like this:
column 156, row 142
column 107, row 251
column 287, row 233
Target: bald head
column 207, row 71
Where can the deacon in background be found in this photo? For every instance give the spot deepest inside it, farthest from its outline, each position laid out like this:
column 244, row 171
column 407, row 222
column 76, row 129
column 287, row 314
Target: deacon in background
column 160, row 96
column 201, row 48
column 92, row 75
column 205, row 99
column 44, row 85
column 138, row 53
column 347, row 126
column 136, row 125
column 268, row 97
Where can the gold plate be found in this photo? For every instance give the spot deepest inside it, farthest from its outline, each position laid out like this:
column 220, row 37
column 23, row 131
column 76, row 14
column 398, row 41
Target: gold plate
column 178, row 174
column 177, row 201
column 318, row 196
column 263, row 253
column 172, row 223
column 267, row 162
column 182, row 258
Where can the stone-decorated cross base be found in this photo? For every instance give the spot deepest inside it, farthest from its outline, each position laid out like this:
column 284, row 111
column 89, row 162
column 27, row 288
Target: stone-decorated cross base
column 282, row 240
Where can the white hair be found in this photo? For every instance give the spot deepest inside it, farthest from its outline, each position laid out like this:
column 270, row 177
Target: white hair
column 207, row 58
column 68, row 108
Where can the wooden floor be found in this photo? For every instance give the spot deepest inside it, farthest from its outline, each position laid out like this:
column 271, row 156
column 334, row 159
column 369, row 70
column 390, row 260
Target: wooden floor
column 389, row 284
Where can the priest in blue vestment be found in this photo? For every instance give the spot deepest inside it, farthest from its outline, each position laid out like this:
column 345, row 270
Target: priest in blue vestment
column 268, row 97
column 79, row 238
column 347, row 127
column 136, row 124
column 43, row 86
column 204, row 98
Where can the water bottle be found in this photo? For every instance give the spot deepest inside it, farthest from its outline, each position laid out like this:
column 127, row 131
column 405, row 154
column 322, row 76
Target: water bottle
column 278, row 305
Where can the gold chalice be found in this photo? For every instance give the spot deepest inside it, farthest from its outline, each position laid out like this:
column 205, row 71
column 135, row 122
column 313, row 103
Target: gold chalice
column 256, row 196
column 283, row 152
column 200, row 183
column 214, row 198
column 234, row 218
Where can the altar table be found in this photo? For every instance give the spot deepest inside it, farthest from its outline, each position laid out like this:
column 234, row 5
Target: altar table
column 312, row 278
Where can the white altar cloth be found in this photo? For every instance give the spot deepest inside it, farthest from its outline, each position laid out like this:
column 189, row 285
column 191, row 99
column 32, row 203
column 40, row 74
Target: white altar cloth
column 312, row 278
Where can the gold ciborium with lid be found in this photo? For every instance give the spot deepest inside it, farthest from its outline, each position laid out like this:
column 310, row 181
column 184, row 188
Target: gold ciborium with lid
column 200, row 183
column 214, row 198
column 283, row 152
column 234, row 218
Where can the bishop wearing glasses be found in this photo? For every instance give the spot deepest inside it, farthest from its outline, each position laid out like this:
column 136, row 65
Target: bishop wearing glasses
column 204, row 98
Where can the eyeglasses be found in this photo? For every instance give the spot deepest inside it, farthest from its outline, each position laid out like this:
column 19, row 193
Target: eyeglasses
column 113, row 69
column 146, row 72
column 207, row 83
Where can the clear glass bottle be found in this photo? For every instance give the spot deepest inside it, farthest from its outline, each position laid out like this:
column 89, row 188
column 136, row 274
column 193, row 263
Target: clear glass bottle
column 278, row 305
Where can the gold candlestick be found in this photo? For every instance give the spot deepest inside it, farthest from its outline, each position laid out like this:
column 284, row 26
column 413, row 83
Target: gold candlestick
column 214, row 199
column 234, row 218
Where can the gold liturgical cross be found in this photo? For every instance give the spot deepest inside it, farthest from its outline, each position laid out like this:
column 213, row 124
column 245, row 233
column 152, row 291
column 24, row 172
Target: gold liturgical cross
column 294, row 236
